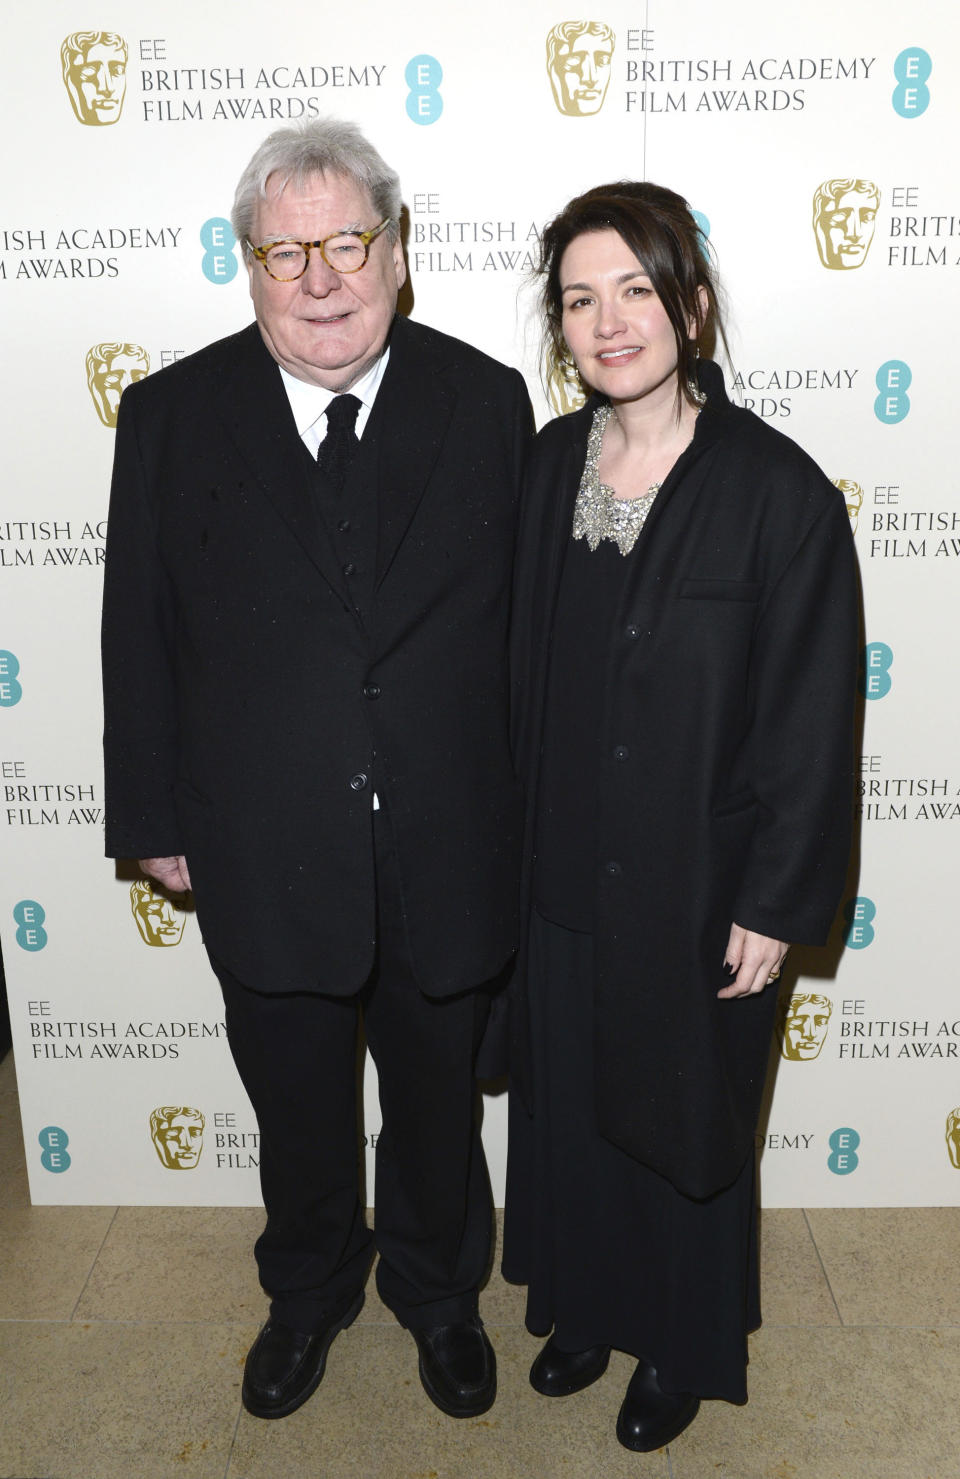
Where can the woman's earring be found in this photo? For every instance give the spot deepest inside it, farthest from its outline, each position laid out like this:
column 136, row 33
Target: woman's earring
column 693, row 389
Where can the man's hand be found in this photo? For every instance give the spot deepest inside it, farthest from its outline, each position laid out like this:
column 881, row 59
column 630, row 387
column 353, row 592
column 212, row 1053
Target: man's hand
column 171, row 872
column 754, row 960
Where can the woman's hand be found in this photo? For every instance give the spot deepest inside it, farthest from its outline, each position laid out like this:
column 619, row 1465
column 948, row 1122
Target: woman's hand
column 754, row 960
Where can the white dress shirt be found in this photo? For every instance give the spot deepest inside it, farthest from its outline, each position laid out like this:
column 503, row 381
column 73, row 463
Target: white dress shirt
column 309, row 402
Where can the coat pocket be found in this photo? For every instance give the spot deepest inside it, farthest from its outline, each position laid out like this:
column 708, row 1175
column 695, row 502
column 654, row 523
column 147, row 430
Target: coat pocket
column 720, row 590
column 734, row 806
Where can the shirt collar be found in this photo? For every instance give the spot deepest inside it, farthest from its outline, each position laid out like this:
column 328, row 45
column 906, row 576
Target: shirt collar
column 309, row 402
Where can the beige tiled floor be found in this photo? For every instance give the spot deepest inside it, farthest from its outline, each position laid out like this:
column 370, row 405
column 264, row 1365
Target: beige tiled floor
column 123, row 1333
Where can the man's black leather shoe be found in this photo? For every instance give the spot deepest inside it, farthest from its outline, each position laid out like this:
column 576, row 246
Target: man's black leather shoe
column 557, row 1373
column 285, row 1366
column 650, row 1417
column 457, row 1367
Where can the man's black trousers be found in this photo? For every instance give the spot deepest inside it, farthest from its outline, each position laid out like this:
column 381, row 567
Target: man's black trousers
column 297, row 1056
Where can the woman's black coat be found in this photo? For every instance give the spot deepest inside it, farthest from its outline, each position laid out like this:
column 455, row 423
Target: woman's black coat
column 730, row 684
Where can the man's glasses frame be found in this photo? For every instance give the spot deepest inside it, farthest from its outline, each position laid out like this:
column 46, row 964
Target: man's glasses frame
column 364, row 237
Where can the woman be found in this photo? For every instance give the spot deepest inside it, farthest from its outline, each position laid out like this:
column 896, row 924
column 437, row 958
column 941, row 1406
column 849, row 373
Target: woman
column 686, row 629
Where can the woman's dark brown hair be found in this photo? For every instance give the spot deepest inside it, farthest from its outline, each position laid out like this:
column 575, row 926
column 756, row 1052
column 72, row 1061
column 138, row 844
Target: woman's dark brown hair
column 658, row 227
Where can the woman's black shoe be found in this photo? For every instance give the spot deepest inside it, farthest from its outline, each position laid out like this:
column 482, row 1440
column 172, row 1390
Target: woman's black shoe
column 650, row 1417
column 557, row 1373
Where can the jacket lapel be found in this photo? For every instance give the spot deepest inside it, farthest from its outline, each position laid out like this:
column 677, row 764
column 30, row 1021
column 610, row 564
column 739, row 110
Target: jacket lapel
column 569, row 486
column 409, row 423
column 253, row 406
column 546, row 521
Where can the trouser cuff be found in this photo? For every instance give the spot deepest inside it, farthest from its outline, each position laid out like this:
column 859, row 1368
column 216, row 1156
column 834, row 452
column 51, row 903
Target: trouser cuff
column 426, row 1316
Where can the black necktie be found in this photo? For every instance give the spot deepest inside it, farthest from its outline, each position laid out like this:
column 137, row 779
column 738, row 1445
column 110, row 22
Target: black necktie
column 339, row 447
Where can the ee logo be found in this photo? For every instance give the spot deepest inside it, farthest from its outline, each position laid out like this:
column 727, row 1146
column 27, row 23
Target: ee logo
column 911, row 96
column 423, row 76
column 893, row 381
column 219, row 263
column 54, row 1142
column 29, row 917
column 859, row 914
column 703, row 226
column 875, row 662
column 10, row 691
column 843, row 1156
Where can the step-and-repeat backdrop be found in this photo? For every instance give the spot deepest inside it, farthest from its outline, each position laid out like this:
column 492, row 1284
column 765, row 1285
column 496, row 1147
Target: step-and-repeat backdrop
column 817, row 143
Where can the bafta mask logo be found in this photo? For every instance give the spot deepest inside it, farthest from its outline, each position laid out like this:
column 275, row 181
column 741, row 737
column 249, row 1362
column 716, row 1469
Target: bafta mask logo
column 953, row 1138
column 844, row 220
column 95, row 75
column 579, row 54
column 564, row 386
column 159, row 921
column 177, row 1134
column 852, row 497
column 110, row 369
column 806, row 1018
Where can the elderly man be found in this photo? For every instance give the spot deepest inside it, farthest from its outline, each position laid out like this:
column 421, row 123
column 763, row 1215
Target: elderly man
column 311, row 528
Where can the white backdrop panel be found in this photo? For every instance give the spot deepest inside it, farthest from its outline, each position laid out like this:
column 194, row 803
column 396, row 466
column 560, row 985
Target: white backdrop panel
column 113, row 240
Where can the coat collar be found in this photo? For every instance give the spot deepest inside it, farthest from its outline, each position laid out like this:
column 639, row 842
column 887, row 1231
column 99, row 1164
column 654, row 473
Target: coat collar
column 713, row 423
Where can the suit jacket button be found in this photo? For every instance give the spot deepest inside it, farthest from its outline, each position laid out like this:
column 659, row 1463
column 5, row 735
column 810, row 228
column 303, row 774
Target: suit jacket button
column 621, row 753
column 632, row 632
column 371, row 690
column 612, row 870
column 357, row 782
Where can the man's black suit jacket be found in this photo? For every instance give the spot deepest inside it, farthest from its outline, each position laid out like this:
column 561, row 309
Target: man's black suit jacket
column 245, row 699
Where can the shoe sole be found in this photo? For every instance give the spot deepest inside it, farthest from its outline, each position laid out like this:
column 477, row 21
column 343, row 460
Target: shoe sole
column 258, row 1409
column 666, row 1436
column 569, row 1389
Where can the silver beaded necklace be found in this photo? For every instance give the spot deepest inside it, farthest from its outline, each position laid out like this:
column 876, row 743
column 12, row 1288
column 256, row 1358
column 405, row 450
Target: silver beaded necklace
column 598, row 513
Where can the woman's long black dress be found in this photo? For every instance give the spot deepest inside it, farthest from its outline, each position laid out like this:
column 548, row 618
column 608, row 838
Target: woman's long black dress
column 613, row 1254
